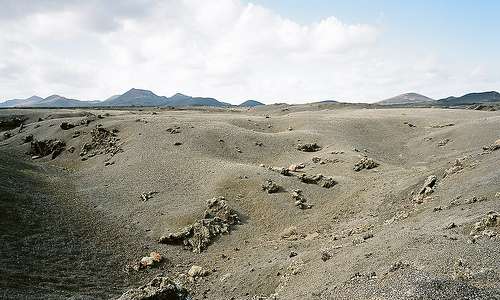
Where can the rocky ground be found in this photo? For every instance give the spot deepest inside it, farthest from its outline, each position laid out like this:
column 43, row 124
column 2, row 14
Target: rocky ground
column 276, row 202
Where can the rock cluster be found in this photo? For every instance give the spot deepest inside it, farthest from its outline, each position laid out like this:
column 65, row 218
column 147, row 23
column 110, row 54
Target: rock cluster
column 300, row 200
column 46, row 147
column 147, row 261
column 103, row 141
column 365, row 163
column 159, row 288
column 146, row 196
column 427, row 189
column 67, row 126
column 492, row 147
column 486, row 225
column 456, row 167
column 218, row 219
column 270, row 187
column 309, row 147
column 11, row 123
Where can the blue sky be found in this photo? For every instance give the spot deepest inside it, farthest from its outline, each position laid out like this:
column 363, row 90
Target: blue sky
column 274, row 51
column 458, row 28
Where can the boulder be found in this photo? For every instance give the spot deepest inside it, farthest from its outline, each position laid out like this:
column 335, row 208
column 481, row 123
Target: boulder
column 270, row 187
column 365, row 163
column 160, row 288
column 46, row 147
column 309, row 147
column 67, row 126
column 218, row 219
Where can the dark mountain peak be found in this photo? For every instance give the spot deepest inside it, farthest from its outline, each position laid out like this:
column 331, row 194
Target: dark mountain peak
column 251, row 103
column 54, row 97
column 472, row 98
column 179, row 97
column 133, row 92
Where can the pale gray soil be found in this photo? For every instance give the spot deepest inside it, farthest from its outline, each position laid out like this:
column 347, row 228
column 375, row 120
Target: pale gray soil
column 70, row 227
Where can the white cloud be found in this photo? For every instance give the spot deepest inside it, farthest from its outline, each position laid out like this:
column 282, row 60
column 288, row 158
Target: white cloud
column 225, row 49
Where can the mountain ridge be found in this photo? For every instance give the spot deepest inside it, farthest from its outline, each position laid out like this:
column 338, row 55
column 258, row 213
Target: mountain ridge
column 406, row 98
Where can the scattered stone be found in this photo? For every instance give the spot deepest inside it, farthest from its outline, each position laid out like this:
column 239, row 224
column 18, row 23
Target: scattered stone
column 294, row 168
column 400, row 215
column 71, row 149
column 309, row 147
column 442, row 125
column 67, row 126
column 28, row 139
column 409, row 124
column 427, row 189
column 316, row 159
column 281, row 170
column 443, row 142
column 76, row 134
column 292, row 254
column 475, row 199
column 270, row 187
column 173, row 130
column 398, row 266
column 260, row 144
column 177, row 143
column 310, row 179
column 450, row 225
column 493, row 147
column 482, row 227
column 109, row 163
column 46, row 147
column 238, row 149
column 290, row 128
column 197, row 271
column 365, row 163
column 159, row 288
column 102, row 141
column 460, row 270
column 300, row 200
column 218, row 219
column 328, row 182
column 144, row 196
column 7, row 135
column 311, row 236
column 455, row 168
column 291, row 234
column 367, row 235
column 325, row 255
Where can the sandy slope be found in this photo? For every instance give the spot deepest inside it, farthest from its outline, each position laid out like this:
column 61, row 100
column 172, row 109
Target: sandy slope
column 254, row 260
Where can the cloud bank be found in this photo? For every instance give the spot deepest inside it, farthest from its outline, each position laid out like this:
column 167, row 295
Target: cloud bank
column 225, row 49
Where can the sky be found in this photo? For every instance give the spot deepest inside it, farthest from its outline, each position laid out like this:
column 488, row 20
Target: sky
column 233, row 50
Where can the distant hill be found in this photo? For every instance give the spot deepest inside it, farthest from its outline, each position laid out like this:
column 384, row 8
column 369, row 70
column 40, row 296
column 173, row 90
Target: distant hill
column 326, row 102
column 135, row 97
column 251, row 103
column 472, row 98
column 51, row 101
column 180, row 100
column 408, row 98
column 60, row 101
column 21, row 102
